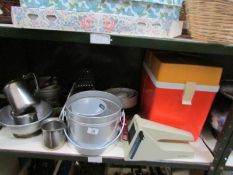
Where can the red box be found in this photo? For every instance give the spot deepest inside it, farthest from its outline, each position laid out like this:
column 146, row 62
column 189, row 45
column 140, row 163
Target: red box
column 162, row 102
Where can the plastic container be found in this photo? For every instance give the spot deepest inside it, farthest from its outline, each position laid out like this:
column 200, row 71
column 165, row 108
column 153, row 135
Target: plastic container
column 88, row 106
column 178, row 95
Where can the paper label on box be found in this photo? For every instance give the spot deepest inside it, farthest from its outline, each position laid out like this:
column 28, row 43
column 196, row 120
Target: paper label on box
column 100, row 38
column 92, row 131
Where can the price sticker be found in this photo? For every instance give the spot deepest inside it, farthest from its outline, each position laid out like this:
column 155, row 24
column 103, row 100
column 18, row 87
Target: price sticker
column 100, row 38
column 92, row 131
column 95, row 159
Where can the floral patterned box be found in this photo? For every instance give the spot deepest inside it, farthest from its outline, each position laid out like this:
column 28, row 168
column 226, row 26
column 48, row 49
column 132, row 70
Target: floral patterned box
column 158, row 9
column 94, row 22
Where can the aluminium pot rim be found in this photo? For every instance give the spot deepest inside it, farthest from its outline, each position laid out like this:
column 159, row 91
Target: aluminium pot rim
column 96, row 94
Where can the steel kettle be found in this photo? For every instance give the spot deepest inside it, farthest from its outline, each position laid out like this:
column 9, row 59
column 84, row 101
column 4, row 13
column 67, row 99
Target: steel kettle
column 19, row 95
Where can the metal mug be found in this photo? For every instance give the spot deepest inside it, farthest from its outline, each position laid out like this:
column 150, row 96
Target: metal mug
column 19, row 96
column 53, row 133
column 25, row 118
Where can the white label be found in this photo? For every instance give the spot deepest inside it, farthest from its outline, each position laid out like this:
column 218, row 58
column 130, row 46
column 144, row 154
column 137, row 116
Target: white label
column 100, row 38
column 92, row 131
column 94, row 159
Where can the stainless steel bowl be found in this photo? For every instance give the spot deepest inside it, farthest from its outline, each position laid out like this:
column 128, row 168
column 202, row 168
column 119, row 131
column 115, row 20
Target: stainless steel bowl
column 43, row 111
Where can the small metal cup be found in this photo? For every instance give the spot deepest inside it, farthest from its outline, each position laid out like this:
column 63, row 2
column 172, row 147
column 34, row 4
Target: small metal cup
column 25, row 118
column 53, row 133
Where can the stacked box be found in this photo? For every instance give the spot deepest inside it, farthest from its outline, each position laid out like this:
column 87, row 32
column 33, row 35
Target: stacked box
column 157, row 9
column 94, row 22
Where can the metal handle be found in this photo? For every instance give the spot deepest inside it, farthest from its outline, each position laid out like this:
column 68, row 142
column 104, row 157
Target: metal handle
column 62, row 114
column 105, row 146
column 32, row 75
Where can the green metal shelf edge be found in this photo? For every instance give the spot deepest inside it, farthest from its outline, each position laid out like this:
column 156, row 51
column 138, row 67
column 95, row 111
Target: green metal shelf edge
column 172, row 44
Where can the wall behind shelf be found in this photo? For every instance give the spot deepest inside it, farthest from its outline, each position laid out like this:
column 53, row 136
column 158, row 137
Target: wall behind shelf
column 112, row 66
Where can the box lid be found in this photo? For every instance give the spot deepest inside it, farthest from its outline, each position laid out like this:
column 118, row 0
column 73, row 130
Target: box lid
column 174, row 70
column 176, row 86
column 165, row 2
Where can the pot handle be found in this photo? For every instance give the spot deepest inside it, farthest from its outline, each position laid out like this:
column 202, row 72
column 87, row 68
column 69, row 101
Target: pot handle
column 109, row 143
column 63, row 112
column 32, row 75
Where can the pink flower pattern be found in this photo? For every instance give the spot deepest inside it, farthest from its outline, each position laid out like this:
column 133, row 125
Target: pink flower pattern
column 108, row 24
column 87, row 23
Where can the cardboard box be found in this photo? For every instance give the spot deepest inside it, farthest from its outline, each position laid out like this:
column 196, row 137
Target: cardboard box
column 157, row 9
column 94, row 23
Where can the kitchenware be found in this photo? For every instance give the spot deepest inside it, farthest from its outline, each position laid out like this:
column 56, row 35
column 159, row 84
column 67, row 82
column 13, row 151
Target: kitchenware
column 49, row 90
column 127, row 96
column 19, row 96
column 85, row 80
column 93, row 131
column 88, row 106
column 53, row 133
column 46, row 81
column 150, row 141
column 43, row 111
column 61, row 115
column 95, row 151
column 25, row 118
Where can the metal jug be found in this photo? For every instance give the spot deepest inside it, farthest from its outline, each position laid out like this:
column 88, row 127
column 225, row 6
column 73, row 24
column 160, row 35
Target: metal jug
column 19, row 96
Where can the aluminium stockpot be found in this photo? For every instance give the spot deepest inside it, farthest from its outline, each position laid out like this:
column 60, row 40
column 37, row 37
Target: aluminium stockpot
column 93, row 130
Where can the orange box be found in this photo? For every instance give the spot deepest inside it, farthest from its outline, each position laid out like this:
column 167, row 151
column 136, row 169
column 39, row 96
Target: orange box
column 178, row 95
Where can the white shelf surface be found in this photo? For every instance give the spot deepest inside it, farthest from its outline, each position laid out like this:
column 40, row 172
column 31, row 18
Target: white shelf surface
column 33, row 145
column 208, row 138
column 229, row 162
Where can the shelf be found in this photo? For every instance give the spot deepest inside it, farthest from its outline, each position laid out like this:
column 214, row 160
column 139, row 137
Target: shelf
column 33, row 147
column 173, row 44
column 229, row 163
column 208, row 138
